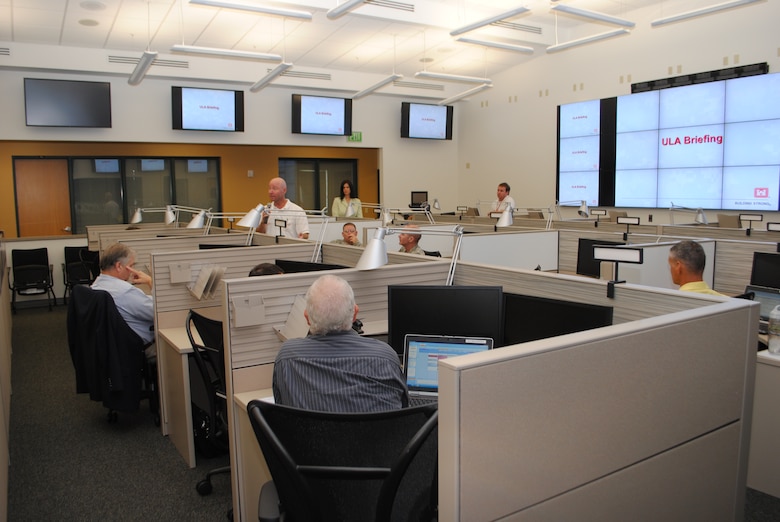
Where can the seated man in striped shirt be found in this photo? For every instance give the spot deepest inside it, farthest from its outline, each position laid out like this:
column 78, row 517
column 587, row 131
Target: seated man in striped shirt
column 334, row 369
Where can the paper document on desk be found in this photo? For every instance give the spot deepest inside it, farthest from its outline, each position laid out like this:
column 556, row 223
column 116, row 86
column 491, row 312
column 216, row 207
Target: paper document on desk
column 296, row 326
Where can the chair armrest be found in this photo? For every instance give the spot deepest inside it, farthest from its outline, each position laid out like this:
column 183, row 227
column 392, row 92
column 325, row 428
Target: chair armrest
column 268, row 503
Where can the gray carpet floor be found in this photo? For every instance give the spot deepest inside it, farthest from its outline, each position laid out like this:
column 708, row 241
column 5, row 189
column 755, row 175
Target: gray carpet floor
column 69, row 463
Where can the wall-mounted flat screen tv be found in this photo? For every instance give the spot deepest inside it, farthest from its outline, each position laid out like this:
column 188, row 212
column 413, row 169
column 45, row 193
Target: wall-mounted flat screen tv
column 207, row 109
column 321, row 115
column 67, row 103
column 425, row 121
column 106, row 165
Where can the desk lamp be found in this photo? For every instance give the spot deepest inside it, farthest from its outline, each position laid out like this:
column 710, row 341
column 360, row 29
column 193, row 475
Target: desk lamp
column 375, row 253
column 170, row 215
column 700, row 218
column 582, row 211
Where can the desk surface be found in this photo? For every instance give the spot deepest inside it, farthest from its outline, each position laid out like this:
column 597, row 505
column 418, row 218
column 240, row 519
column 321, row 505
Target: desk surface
column 177, row 338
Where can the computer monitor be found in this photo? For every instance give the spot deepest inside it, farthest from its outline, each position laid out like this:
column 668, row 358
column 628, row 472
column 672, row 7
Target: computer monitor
column 529, row 318
column 586, row 265
column 291, row 267
column 468, row 311
column 418, row 198
column 766, row 270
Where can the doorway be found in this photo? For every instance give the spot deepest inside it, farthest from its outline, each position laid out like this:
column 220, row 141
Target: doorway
column 314, row 183
column 42, row 197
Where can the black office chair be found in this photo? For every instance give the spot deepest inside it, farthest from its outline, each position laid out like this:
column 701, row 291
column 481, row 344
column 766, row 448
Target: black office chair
column 108, row 355
column 747, row 295
column 208, row 390
column 32, row 275
column 80, row 268
column 432, row 253
column 348, row 466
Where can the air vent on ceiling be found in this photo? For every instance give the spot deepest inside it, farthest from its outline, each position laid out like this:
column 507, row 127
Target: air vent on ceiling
column 390, row 4
column 518, row 27
column 418, row 85
column 132, row 60
column 5, row 51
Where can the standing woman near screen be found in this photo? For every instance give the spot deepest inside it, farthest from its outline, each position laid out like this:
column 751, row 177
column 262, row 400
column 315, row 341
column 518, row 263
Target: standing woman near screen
column 346, row 205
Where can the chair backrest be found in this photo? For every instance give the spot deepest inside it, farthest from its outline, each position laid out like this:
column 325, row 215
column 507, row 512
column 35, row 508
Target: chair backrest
column 209, row 386
column 31, row 268
column 77, row 271
column 106, row 353
column 350, row 466
column 729, row 221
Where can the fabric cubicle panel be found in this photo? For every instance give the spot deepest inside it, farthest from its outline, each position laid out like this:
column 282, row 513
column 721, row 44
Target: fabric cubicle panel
column 618, row 423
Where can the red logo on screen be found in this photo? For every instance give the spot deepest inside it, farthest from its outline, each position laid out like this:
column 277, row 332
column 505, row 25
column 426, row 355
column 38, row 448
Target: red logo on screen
column 760, row 192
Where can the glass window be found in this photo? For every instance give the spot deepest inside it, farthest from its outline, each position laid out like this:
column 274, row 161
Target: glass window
column 97, row 193
column 148, row 185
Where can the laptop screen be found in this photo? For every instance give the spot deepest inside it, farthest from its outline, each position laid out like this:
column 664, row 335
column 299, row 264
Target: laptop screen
column 422, row 354
column 768, row 297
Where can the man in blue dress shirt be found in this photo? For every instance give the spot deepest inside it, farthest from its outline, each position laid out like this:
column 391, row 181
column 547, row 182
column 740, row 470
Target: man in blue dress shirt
column 334, row 369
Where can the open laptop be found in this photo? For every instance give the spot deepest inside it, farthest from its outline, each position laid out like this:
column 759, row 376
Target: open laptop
column 769, row 298
column 421, row 357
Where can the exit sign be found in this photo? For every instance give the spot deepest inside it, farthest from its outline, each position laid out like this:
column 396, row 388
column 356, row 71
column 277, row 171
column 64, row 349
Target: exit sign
column 356, row 136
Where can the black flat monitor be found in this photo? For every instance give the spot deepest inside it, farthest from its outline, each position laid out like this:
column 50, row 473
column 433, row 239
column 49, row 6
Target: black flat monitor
column 418, row 198
column 766, row 270
column 213, row 246
column 291, row 267
column 67, row 103
column 467, row 311
column 529, row 318
column 586, row 265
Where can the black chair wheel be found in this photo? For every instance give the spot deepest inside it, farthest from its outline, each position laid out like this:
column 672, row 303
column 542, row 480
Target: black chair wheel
column 204, row 488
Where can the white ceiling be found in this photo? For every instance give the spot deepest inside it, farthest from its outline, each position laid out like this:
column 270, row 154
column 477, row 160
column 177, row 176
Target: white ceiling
column 370, row 39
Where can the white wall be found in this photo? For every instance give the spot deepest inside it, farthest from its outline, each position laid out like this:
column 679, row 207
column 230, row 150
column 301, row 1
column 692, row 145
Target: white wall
column 507, row 133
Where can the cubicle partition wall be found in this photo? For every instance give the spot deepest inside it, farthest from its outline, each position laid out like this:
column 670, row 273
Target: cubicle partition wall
column 647, row 420
column 175, row 272
column 252, row 344
column 5, row 378
column 516, row 249
column 150, row 229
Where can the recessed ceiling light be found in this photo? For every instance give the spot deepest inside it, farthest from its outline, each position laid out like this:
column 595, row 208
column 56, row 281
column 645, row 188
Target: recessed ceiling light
column 88, row 22
column 92, row 5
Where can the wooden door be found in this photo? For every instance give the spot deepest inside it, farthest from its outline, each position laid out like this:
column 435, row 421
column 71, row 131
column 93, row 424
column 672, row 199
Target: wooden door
column 42, row 197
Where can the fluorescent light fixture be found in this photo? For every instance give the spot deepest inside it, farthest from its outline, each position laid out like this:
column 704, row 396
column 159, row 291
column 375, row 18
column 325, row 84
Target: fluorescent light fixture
column 751, row 217
column 379, row 85
column 465, row 94
column 498, row 45
column 593, row 15
column 618, row 254
column 268, row 78
column 488, row 21
column 450, row 77
column 701, row 12
column 586, row 40
column 230, row 53
column 627, row 220
column 263, row 9
column 142, row 67
column 343, row 9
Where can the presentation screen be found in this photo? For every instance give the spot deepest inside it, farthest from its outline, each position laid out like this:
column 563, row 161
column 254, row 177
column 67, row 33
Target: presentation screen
column 321, row 115
column 66, row 103
column 425, row 121
column 712, row 145
column 207, row 109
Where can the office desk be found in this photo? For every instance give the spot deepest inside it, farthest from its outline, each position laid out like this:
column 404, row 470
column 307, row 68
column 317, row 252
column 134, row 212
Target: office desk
column 248, row 468
column 173, row 349
column 764, row 461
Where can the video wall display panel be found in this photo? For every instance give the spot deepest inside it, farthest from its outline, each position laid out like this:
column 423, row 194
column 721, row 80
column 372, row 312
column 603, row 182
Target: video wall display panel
column 713, row 145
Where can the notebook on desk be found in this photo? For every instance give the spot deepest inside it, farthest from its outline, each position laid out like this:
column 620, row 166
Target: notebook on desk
column 421, row 358
column 768, row 298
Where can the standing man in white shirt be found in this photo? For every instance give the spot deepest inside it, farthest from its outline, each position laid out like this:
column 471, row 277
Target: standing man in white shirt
column 504, row 200
column 297, row 224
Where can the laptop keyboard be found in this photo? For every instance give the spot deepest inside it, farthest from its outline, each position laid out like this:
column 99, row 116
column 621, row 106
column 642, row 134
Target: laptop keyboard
column 420, row 400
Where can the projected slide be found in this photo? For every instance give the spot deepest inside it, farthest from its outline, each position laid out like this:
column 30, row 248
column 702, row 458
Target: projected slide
column 713, row 145
column 320, row 115
column 427, row 121
column 207, row 109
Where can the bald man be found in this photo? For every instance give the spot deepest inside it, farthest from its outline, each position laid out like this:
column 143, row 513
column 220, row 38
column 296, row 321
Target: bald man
column 282, row 208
